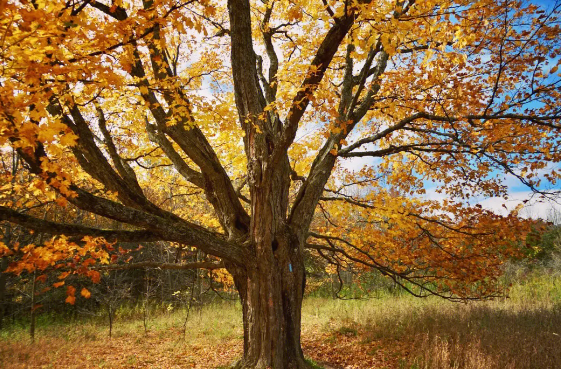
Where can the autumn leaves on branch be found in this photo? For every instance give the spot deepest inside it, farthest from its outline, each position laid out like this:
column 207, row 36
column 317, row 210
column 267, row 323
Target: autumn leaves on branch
column 131, row 112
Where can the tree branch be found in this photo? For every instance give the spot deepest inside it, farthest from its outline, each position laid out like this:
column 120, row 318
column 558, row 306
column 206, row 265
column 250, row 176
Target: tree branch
column 168, row 225
column 56, row 228
column 216, row 183
column 169, row 266
column 123, row 168
column 180, row 165
column 402, row 123
column 316, row 71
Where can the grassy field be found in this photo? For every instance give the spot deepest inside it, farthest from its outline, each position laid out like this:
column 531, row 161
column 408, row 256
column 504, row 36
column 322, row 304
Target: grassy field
column 523, row 331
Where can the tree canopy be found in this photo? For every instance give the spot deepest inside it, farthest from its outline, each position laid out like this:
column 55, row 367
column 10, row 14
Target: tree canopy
column 263, row 132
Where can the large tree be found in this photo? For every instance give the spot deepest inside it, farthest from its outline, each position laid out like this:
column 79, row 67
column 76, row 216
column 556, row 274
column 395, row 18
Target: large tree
column 123, row 107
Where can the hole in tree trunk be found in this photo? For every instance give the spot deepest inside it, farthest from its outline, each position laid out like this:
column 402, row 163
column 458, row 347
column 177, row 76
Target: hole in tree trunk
column 240, row 225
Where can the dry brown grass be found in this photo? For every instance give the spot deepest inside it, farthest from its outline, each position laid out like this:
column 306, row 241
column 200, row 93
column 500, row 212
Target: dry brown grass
column 213, row 338
column 487, row 336
column 522, row 332
column 395, row 332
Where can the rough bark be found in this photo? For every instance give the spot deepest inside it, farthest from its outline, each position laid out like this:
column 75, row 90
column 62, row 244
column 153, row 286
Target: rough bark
column 271, row 283
column 271, row 293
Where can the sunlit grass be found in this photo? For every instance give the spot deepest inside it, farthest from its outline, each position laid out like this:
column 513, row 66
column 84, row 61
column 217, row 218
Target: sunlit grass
column 519, row 332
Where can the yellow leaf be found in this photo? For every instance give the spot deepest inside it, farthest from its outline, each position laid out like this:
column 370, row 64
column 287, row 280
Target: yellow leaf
column 69, row 139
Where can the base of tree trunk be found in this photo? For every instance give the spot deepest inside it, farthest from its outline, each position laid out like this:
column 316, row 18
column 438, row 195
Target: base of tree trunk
column 299, row 363
column 271, row 295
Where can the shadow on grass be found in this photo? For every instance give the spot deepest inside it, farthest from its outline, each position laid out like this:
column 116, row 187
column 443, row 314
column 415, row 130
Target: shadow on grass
column 476, row 336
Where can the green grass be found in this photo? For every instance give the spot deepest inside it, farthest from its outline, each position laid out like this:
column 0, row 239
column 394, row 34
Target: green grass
column 313, row 364
column 522, row 331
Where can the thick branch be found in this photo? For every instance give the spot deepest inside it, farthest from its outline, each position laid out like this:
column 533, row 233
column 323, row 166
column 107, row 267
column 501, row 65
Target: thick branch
column 123, row 168
column 172, row 228
column 217, row 185
column 271, row 86
column 168, row 225
column 55, row 228
column 250, row 101
column 309, row 194
column 169, row 266
column 180, row 165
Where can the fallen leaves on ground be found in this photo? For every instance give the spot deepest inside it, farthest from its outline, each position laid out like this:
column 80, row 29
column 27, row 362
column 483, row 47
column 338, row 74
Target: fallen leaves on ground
column 354, row 348
column 336, row 347
column 136, row 350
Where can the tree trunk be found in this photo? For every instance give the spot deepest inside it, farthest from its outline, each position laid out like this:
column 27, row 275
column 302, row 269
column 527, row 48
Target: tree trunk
column 32, row 312
column 110, row 313
column 271, row 293
column 3, row 282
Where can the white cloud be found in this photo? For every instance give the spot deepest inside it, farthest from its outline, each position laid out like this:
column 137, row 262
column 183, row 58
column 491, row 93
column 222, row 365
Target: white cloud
column 358, row 163
column 534, row 207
